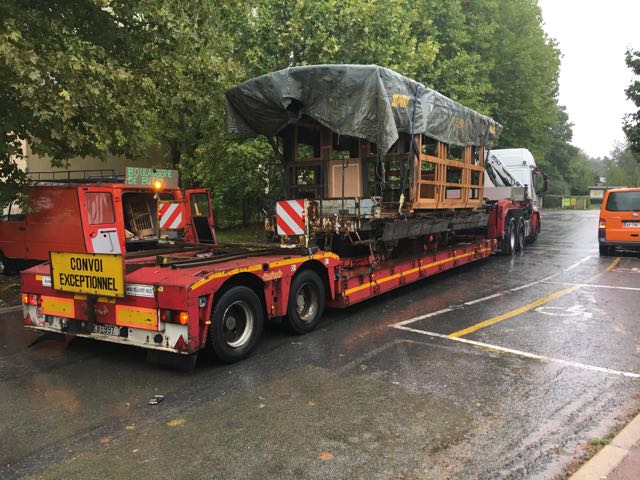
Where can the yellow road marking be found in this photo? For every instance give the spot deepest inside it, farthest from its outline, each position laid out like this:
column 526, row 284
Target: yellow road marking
column 530, row 306
column 513, row 313
column 613, row 265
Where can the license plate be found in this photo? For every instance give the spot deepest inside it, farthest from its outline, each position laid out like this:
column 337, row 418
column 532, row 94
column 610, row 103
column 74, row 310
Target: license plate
column 632, row 224
column 105, row 329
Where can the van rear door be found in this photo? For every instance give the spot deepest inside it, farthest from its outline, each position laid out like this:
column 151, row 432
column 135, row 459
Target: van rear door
column 99, row 221
column 623, row 216
column 200, row 216
column 13, row 228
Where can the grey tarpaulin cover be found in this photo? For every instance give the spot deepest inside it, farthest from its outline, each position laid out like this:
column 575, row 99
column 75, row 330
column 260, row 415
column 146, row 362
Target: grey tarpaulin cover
column 365, row 101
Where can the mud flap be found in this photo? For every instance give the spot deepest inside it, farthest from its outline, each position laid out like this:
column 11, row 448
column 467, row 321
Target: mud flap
column 175, row 361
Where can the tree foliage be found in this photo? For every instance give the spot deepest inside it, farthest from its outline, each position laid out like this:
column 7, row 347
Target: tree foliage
column 88, row 77
column 622, row 168
column 91, row 77
column 632, row 121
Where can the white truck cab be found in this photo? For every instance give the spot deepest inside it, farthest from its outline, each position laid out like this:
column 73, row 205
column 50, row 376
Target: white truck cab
column 520, row 164
column 511, row 173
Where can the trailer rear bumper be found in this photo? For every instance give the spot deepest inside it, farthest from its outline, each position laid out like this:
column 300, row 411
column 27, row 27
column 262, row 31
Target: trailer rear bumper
column 169, row 337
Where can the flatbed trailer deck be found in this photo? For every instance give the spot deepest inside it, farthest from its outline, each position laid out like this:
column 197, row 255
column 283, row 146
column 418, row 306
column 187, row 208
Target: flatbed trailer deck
column 173, row 297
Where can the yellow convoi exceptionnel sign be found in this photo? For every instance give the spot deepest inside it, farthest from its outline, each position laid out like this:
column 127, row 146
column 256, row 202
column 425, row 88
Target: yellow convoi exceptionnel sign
column 92, row 273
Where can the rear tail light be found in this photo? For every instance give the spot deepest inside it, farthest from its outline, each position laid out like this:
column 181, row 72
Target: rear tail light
column 31, row 299
column 174, row 316
column 602, row 228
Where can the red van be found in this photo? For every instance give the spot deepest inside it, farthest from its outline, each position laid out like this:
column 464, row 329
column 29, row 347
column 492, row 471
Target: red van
column 619, row 220
column 96, row 217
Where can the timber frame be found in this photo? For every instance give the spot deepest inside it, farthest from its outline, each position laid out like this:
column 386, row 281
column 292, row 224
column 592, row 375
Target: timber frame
column 429, row 175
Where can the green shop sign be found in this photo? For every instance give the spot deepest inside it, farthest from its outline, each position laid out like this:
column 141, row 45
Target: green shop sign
column 158, row 178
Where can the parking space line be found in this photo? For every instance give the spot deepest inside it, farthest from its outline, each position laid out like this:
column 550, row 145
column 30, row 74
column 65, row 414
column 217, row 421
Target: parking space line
column 521, row 353
column 489, row 297
column 422, row 317
column 591, row 285
column 514, row 312
column 530, row 306
column 13, row 308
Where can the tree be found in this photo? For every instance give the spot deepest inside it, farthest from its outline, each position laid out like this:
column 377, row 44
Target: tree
column 91, row 77
column 87, row 77
column 524, row 77
column 623, row 169
column 631, row 125
column 66, row 82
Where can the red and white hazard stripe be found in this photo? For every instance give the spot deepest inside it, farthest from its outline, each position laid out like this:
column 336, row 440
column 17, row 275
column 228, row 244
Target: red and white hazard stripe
column 170, row 215
column 290, row 217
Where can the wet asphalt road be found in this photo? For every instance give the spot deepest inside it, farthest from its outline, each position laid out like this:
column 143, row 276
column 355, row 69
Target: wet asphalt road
column 534, row 376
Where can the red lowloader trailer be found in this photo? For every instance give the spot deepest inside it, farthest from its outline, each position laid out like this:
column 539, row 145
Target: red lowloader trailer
column 218, row 296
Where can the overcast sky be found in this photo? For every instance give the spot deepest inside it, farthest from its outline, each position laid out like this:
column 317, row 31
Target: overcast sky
column 593, row 36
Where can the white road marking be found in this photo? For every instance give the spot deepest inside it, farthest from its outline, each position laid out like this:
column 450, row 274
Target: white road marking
column 627, row 270
column 13, row 308
column 520, row 353
column 478, row 300
column 494, row 295
column 591, row 285
column 422, row 317
column 571, row 311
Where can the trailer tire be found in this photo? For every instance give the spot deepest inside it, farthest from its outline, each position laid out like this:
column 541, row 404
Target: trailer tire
column 236, row 324
column 508, row 245
column 521, row 235
column 306, row 302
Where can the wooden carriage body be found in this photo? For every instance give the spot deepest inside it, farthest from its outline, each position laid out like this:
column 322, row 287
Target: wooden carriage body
column 320, row 164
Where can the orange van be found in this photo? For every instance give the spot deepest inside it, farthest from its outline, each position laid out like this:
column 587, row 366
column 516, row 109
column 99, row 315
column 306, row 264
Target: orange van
column 619, row 220
column 94, row 216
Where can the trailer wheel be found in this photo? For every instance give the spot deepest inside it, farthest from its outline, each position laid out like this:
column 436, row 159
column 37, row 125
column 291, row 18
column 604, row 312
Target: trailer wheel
column 521, row 234
column 508, row 246
column 236, row 324
column 306, row 302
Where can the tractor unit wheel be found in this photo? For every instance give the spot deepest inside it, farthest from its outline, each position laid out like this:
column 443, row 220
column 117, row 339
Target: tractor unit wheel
column 508, row 245
column 521, row 235
column 236, row 324
column 534, row 234
column 306, row 302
